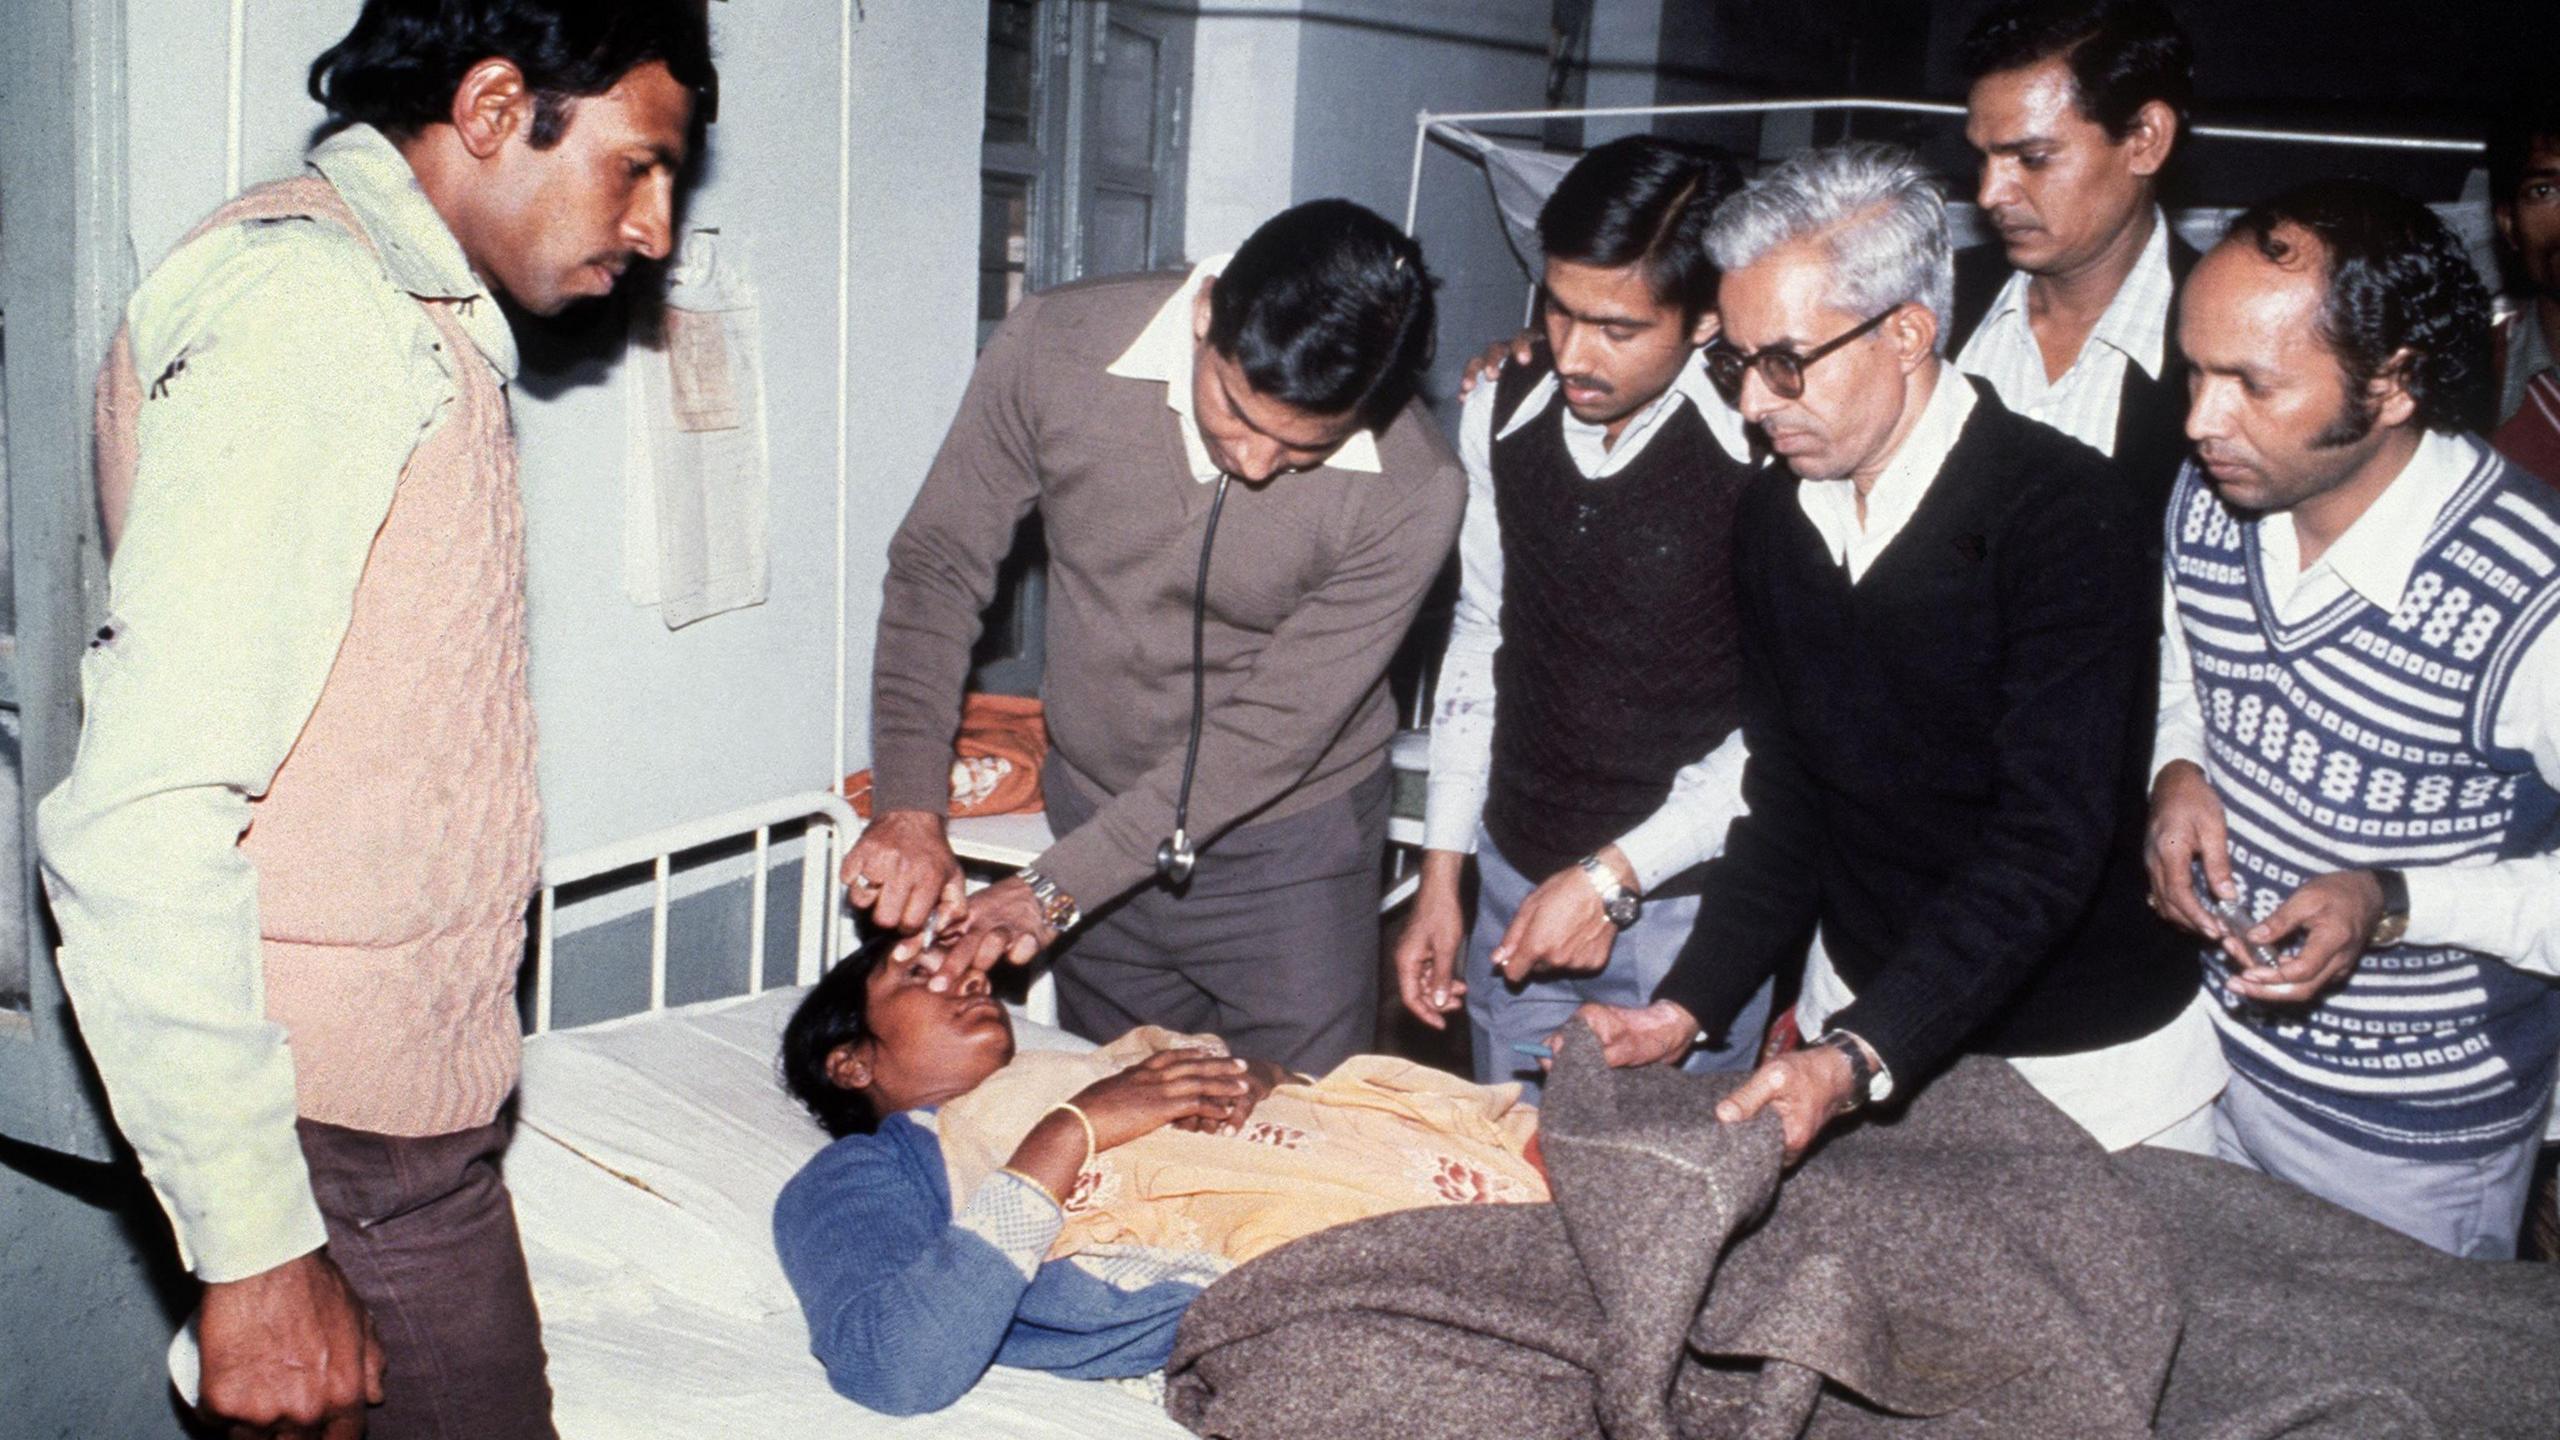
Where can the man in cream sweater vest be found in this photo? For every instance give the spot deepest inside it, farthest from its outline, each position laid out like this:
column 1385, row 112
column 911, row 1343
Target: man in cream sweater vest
column 292, row 861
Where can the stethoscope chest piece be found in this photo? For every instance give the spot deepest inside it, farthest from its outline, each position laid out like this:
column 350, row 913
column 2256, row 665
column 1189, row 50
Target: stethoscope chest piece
column 1175, row 857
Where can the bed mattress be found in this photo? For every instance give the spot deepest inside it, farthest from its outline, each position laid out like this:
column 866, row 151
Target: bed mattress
column 647, row 1157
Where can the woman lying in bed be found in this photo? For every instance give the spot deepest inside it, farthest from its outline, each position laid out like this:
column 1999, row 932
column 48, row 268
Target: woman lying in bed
column 1058, row 1211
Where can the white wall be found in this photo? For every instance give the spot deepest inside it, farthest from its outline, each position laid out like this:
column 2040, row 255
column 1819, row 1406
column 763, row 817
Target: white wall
column 1626, row 48
column 641, row 726
column 919, row 105
column 1244, row 72
column 1310, row 98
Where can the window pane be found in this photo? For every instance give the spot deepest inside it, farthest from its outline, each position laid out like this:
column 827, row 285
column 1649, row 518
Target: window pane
column 13, row 894
column 1013, row 63
column 1125, row 119
column 1004, row 247
column 1115, row 240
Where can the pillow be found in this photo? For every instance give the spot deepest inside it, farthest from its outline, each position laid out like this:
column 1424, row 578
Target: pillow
column 649, row 1151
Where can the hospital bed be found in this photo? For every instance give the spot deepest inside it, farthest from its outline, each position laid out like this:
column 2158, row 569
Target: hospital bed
column 649, row 1149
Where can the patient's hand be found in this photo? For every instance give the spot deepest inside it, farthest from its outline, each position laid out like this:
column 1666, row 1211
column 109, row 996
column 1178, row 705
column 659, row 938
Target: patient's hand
column 1169, row 1087
column 1166, row 1088
column 1261, row 1077
column 902, row 870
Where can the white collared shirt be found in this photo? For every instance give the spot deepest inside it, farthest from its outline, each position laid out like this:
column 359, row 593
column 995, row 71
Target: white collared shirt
column 2123, row 1094
column 2506, row 908
column 2083, row 403
column 1705, row 796
column 1164, row 353
column 1832, row 505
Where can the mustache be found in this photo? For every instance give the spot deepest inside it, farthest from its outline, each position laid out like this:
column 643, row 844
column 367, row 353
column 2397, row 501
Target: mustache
column 1589, row 382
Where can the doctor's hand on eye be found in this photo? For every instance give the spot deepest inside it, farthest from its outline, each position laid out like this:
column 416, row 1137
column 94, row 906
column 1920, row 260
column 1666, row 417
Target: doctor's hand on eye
column 1003, row 922
column 902, row 871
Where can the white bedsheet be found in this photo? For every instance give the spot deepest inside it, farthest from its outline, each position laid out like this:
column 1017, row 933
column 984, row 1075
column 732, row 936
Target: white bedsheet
column 645, row 1165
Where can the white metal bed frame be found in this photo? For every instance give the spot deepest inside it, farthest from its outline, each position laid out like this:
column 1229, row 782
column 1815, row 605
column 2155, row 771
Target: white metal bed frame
column 830, row 828
column 1424, row 121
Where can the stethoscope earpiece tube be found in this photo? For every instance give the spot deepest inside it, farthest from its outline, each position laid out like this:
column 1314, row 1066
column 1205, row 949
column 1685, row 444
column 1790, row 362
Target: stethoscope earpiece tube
column 1176, row 857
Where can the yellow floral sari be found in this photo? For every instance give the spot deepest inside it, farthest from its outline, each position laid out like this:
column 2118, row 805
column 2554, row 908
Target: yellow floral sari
column 1375, row 1136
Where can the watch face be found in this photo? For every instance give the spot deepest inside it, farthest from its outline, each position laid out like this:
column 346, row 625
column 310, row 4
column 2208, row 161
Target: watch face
column 1622, row 911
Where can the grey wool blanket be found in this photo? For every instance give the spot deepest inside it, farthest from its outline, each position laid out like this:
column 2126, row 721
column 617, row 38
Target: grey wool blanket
column 1975, row 1267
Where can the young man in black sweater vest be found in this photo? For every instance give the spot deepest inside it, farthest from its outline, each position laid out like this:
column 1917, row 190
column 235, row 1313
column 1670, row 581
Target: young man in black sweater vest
column 1593, row 666
column 1943, row 626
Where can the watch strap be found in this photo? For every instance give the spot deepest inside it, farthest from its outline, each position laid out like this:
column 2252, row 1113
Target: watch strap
column 1867, row 1080
column 2395, row 892
column 1621, row 904
column 1058, row 909
column 2394, row 921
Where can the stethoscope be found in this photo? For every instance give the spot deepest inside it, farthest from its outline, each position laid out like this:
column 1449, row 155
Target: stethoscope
column 1176, row 856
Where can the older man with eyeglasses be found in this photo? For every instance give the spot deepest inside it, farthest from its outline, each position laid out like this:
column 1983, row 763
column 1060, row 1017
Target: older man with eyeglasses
column 1943, row 621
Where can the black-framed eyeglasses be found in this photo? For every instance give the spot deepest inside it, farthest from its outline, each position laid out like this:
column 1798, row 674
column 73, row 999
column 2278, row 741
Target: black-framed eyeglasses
column 1781, row 369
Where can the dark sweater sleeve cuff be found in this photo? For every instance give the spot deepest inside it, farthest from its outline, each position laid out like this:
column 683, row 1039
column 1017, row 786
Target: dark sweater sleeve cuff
column 1707, row 983
column 1907, row 1057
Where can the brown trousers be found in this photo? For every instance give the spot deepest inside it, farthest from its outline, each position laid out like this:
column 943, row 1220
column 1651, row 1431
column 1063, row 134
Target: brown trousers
column 426, row 1234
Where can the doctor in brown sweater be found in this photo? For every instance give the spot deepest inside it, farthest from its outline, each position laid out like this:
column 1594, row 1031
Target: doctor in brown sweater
column 1251, row 422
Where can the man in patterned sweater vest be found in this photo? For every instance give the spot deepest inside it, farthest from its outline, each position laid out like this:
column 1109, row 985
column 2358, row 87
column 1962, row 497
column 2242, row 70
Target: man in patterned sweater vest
column 2359, row 741
column 292, row 860
column 1592, row 667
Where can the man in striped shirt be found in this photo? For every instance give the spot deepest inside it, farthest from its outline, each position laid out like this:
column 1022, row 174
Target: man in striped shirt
column 2359, row 737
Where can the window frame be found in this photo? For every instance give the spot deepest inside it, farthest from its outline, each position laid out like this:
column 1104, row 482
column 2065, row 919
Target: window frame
column 1072, row 39
column 64, row 274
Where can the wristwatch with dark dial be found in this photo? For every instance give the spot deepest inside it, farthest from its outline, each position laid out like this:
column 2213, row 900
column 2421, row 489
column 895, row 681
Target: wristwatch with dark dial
column 1619, row 903
column 2395, row 910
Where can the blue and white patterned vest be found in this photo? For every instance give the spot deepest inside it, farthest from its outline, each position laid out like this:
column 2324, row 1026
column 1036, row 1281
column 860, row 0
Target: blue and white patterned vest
column 2360, row 738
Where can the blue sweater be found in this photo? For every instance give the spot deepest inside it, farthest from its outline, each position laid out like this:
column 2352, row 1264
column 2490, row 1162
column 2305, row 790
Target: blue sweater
column 907, row 1306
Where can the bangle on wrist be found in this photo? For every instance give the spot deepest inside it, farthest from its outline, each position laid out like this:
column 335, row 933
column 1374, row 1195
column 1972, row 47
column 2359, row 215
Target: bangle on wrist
column 1092, row 1145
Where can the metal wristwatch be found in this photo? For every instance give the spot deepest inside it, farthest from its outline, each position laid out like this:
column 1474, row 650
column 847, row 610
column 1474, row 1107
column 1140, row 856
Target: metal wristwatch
column 1619, row 903
column 1868, row 1082
column 1057, row 908
column 2395, row 910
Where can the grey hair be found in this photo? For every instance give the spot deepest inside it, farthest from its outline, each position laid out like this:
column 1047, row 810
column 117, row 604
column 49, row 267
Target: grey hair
column 1881, row 219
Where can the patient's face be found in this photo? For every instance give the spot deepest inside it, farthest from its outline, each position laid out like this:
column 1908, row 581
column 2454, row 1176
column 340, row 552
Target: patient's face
column 925, row 1047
